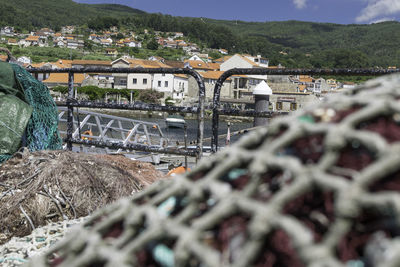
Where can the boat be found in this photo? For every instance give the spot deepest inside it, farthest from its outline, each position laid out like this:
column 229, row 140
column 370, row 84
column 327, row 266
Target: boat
column 175, row 121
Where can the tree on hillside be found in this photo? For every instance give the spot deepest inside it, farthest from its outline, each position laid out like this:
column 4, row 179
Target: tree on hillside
column 152, row 44
column 346, row 58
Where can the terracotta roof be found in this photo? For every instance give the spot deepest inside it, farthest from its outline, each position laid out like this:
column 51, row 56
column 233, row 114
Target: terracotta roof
column 12, row 41
column 211, row 74
column 222, row 59
column 38, row 65
column 198, row 64
column 63, row 78
column 302, row 87
column 305, row 79
column 32, row 38
column 181, row 76
column 248, row 60
column 3, row 57
column 91, row 62
column 174, row 64
column 240, row 76
column 215, row 66
column 146, row 63
column 63, row 63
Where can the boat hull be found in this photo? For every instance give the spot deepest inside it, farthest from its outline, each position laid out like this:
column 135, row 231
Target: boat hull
column 174, row 124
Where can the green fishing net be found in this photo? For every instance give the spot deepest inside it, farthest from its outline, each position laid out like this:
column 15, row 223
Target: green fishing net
column 42, row 129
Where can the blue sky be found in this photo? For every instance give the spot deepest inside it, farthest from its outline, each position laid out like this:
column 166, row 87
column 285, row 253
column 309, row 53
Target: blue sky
column 335, row 11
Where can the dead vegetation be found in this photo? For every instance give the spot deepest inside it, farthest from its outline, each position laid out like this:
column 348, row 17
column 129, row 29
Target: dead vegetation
column 48, row 186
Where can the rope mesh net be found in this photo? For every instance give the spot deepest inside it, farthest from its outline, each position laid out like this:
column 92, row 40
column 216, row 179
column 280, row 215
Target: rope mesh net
column 42, row 129
column 316, row 188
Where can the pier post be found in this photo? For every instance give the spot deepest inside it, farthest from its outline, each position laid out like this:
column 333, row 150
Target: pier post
column 261, row 94
column 185, row 136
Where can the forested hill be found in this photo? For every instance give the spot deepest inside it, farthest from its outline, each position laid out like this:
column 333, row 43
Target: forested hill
column 28, row 14
column 379, row 43
column 290, row 43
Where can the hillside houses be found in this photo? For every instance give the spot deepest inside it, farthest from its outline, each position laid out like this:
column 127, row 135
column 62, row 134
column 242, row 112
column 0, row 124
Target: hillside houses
column 7, row 31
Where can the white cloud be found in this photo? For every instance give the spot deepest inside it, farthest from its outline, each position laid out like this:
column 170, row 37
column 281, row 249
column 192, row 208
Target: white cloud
column 300, row 3
column 377, row 8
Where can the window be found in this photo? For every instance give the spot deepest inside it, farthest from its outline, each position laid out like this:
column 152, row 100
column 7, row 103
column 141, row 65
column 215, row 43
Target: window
column 122, row 82
column 293, row 106
column 144, row 81
column 163, row 74
column 134, row 81
column 278, row 105
column 159, row 83
column 166, row 84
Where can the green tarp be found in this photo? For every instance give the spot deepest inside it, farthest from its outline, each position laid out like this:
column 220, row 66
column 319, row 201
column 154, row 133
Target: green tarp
column 14, row 111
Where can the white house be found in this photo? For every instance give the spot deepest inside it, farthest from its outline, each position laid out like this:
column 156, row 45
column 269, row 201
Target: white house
column 7, row 30
column 223, row 51
column 139, row 81
column 60, row 43
column 24, row 60
column 172, row 85
column 133, row 43
column 163, row 82
column 181, row 86
column 244, row 61
column 178, row 34
column 243, row 85
column 195, row 57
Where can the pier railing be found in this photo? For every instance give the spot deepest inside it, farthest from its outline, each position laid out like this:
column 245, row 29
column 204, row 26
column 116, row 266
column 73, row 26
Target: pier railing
column 274, row 71
column 199, row 110
column 72, row 102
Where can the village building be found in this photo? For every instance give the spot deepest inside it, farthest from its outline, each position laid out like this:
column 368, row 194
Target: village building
column 7, row 31
column 12, row 41
column 111, row 52
column 223, row 51
column 61, row 79
column 210, row 79
column 31, row 41
column 200, row 65
column 90, row 63
column 24, row 60
column 171, row 85
column 68, row 29
column 102, row 80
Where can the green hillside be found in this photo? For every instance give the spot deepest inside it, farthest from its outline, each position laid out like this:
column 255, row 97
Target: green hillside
column 380, row 42
column 290, row 43
column 27, row 14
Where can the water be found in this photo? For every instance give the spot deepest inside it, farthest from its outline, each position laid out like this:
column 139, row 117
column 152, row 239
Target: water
column 176, row 135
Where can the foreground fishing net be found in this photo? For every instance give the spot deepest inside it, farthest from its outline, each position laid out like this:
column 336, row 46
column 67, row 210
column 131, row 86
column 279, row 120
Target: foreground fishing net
column 42, row 129
column 319, row 188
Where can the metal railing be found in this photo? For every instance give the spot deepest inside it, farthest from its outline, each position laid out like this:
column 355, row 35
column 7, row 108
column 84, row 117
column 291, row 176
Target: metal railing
column 102, row 127
column 199, row 110
column 72, row 102
column 274, row 71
